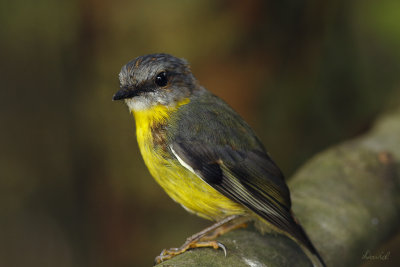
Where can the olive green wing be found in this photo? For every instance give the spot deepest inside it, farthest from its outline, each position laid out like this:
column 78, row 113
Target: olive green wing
column 214, row 142
column 247, row 177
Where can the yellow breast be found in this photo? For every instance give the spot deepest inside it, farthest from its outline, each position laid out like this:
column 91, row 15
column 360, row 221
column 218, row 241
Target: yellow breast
column 181, row 185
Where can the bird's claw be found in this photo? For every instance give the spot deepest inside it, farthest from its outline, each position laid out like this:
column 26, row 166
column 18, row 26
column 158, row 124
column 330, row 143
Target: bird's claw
column 167, row 254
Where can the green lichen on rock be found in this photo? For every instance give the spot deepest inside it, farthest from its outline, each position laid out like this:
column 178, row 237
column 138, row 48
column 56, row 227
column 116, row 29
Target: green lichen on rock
column 245, row 247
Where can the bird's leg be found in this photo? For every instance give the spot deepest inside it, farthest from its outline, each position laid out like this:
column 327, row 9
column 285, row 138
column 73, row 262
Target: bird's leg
column 239, row 222
column 205, row 238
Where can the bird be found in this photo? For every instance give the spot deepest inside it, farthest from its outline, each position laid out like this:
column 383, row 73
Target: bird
column 204, row 155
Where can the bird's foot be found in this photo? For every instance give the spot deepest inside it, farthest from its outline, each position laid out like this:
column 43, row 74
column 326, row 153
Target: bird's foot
column 206, row 238
column 167, row 254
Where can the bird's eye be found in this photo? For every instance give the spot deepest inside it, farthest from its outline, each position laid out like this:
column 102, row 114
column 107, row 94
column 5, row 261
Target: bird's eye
column 161, row 79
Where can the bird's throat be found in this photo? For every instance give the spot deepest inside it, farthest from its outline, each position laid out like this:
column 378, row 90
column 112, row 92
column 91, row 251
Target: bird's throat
column 150, row 121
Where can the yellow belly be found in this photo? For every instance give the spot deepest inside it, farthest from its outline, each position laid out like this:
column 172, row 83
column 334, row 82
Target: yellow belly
column 181, row 185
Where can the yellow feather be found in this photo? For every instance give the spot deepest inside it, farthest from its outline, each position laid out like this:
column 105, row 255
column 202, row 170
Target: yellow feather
column 181, row 185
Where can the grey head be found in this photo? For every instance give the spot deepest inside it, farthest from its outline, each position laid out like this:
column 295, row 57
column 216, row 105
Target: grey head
column 155, row 79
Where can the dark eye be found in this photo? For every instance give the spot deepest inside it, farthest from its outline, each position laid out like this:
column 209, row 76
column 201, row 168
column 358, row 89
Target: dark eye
column 161, row 79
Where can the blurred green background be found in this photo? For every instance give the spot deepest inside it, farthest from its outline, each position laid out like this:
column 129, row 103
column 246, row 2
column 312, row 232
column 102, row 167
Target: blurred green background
column 74, row 190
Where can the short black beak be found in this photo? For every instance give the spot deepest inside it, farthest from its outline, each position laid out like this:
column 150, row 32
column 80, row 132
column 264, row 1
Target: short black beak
column 123, row 93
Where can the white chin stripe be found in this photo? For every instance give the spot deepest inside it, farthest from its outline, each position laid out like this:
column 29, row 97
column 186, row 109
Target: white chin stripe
column 138, row 103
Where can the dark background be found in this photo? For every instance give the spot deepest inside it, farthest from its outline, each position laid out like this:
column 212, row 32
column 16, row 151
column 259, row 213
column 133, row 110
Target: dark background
column 73, row 188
